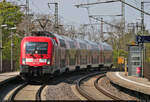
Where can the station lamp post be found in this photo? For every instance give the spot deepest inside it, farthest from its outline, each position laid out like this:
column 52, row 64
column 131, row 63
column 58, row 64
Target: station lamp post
column 13, row 28
column 1, row 47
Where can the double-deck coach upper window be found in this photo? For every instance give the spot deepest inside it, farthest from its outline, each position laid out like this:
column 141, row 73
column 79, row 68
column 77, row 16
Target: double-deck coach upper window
column 62, row 43
column 83, row 46
column 72, row 44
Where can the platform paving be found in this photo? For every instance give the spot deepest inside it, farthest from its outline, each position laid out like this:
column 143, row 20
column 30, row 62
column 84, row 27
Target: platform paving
column 130, row 82
column 4, row 77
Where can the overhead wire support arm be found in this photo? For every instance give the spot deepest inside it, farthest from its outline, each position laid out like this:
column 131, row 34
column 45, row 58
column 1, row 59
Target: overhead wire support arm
column 105, row 15
column 105, row 22
column 88, row 4
column 135, row 7
column 146, row 2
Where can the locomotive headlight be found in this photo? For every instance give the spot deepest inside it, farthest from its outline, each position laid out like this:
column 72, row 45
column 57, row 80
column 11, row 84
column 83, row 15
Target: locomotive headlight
column 48, row 61
column 23, row 61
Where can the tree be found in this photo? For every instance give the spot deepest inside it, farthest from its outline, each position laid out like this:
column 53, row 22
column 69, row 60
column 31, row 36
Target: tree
column 11, row 15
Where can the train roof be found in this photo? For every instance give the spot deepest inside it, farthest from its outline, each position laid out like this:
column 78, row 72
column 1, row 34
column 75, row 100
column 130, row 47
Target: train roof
column 67, row 38
column 80, row 41
column 36, row 39
column 107, row 46
column 33, row 37
column 58, row 36
column 91, row 42
column 42, row 33
column 93, row 45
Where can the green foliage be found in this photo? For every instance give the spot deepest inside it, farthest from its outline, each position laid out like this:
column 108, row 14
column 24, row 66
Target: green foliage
column 146, row 32
column 16, row 51
column 118, row 52
column 11, row 15
column 121, row 48
column 147, row 53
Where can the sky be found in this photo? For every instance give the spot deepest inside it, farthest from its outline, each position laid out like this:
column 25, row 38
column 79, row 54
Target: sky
column 72, row 15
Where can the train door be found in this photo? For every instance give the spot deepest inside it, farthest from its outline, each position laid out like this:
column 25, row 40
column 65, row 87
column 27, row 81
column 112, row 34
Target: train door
column 72, row 54
column 55, row 59
column 57, row 55
column 77, row 56
column 62, row 55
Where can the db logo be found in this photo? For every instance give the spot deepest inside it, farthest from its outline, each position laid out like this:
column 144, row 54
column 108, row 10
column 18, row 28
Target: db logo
column 35, row 60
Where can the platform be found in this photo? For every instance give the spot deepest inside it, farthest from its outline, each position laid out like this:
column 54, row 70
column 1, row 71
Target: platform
column 5, row 77
column 130, row 82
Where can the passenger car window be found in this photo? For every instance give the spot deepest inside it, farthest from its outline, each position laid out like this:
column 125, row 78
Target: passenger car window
column 83, row 46
column 62, row 43
column 72, row 45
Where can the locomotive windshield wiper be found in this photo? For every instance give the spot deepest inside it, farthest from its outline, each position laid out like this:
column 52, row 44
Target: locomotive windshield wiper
column 35, row 49
column 33, row 52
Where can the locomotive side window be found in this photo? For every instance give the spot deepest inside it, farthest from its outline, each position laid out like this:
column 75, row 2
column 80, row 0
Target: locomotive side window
column 62, row 43
column 36, row 47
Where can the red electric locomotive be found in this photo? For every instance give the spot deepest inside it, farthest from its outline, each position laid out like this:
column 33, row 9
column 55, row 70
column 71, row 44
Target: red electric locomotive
column 49, row 54
column 36, row 56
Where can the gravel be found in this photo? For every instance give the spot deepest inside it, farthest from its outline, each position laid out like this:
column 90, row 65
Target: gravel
column 60, row 88
column 61, row 91
column 105, row 83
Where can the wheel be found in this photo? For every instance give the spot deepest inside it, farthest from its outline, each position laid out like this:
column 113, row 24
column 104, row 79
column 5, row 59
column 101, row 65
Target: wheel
column 88, row 68
column 56, row 73
column 77, row 68
column 67, row 70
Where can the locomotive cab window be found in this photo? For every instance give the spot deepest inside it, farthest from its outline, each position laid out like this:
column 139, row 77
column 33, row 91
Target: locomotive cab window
column 36, row 47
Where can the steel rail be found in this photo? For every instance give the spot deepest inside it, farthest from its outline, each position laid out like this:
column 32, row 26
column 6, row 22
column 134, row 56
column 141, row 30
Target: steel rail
column 12, row 96
column 102, row 90
column 38, row 94
column 82, row 91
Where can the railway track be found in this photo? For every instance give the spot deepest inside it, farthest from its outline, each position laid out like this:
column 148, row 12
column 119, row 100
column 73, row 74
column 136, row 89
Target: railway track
column 104, row 91
column 12, row 96
column 88, row 87
column 27, row 92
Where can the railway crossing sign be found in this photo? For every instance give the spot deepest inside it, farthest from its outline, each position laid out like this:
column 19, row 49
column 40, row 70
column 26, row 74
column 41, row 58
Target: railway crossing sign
column 142, row 39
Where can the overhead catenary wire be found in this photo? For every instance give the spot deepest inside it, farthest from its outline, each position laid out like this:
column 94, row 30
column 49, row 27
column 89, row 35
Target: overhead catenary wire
column 136, row 3
column 135, row 7
column 94, row 3
column 105, row 22
column 36, row 7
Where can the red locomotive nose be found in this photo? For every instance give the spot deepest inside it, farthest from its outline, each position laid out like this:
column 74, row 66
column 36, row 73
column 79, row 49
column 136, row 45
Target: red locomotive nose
column 35, row 51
